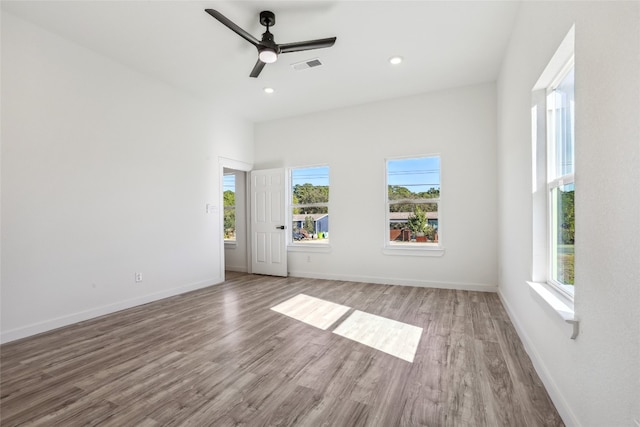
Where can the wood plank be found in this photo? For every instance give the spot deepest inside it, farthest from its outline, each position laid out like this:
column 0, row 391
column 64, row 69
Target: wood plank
column 465, row 399
column 527, row 385
column 503, row 407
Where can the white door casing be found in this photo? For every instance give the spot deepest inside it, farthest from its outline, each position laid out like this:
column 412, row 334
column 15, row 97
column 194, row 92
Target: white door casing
column 268, row 230
column 238, row 165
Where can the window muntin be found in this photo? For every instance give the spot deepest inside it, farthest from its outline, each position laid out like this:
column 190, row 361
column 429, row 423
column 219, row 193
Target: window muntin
column 560, row 180
column 309, row 201
column 229, row 201
column 413, row 198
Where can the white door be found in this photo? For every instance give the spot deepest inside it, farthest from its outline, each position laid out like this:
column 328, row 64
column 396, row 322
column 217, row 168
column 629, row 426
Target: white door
column 268, row 230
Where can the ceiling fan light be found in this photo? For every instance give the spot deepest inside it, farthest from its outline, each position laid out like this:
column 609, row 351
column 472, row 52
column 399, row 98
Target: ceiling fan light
column 268, row 56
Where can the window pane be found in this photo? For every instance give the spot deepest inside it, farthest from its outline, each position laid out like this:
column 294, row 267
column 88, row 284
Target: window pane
column 564, row 104
column 418, row 223
column 310, row 185
column 229, row 197
column 413, row 178
column 310, row 224
column 309, row 199
column 563, row 234
column 410, row 181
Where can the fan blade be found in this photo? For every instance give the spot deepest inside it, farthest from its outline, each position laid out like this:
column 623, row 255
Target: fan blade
column 308, row 45
column 257, row 69
column 233, row 27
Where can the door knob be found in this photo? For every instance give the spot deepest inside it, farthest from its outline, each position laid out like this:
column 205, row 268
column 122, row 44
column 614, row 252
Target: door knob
column 280, row 227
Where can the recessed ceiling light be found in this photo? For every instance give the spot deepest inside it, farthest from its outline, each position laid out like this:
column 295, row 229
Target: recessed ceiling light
column 395, row 60
column 268, row 90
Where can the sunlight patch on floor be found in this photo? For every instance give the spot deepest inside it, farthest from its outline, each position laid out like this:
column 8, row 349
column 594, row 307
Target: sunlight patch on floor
column 312, row 311
column 389, row 336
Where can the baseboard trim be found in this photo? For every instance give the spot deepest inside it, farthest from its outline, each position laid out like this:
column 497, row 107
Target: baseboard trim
column 555, row 394
column 59, row 322
column 481, row 287
column 237, row 269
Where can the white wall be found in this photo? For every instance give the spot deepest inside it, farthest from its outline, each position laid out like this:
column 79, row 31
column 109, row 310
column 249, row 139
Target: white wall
column 105, row 172
column 458, row 124
column 594, row 380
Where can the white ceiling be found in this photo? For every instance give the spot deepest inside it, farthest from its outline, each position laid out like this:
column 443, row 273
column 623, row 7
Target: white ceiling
column 444, row 44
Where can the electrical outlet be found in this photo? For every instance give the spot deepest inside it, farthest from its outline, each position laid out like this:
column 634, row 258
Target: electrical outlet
column 138, row 277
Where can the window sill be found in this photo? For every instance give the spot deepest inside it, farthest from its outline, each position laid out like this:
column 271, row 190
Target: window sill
column 562, row 305
column 309, row 247
column 230, row 244
column 406, row 250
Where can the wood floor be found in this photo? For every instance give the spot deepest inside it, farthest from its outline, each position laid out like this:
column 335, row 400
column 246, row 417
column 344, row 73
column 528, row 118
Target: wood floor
column 220, row 357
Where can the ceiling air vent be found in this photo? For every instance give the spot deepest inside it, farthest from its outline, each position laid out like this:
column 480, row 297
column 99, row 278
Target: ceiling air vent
column 310, row 63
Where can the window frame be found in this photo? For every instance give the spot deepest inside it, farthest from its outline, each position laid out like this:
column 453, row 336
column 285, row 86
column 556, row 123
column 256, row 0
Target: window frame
column 555, row 181
column 323, row 245
column 412, row 248
column 552, row 297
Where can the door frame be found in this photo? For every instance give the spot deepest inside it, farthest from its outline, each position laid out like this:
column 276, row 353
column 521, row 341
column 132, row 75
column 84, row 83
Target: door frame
column 224, row 162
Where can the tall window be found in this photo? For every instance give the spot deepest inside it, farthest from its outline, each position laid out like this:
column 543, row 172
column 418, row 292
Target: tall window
column 413, row 196
column 310, row 205
column 560, row 179
column 229, row 197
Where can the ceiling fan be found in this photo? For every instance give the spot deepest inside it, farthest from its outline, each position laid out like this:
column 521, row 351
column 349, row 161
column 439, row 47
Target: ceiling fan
column 268, row 49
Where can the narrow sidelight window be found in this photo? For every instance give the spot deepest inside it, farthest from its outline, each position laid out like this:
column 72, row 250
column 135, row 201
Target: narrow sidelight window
column 229, row 197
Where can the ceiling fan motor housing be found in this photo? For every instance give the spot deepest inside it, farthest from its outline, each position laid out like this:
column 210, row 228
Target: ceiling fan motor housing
column 267, row 18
